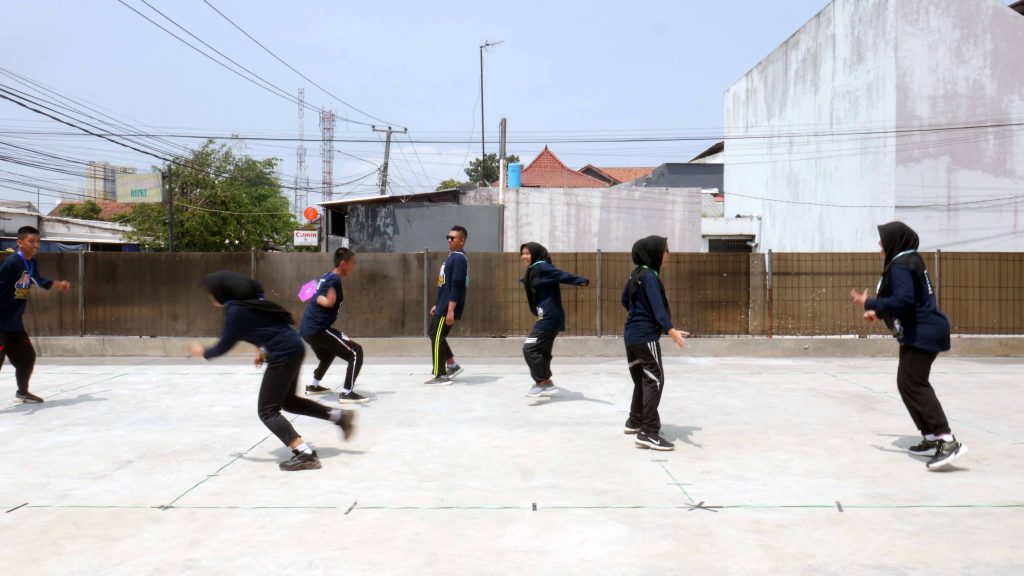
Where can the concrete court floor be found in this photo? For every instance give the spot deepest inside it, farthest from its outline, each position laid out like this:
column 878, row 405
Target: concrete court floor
column 782, row 466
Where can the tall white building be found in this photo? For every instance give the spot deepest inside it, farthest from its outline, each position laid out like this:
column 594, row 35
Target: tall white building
column 100, row 180
column 879, row 110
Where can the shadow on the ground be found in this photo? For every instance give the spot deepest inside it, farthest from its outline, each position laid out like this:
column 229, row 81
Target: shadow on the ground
column 681, row 434
column 57, row 403
column 565, row 395
column 473, row 380
column 283, row 453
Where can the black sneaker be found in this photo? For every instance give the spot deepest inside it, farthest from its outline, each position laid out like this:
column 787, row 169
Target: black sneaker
column 352, row 397
column 630, row 428
column 946, row 453
column 316, row 389
column 301, row 461
column 925, row 448
column 453, row 370
column 347, row 423
column 442, row 380
column 27, row 397
column 653, row 441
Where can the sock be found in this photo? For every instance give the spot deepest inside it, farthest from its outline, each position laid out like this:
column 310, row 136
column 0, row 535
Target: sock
column 304, row 448
column 929, row 437
column 315, row 383
column 946, row 437
column 335, row 415
column 346, row 390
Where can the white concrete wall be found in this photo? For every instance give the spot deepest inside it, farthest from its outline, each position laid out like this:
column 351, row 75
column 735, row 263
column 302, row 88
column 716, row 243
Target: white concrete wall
column 589, row 219
column 874, row 65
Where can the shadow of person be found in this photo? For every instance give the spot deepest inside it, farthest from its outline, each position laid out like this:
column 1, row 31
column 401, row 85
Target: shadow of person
column 473, row 380
column 47, row 404
column 565, row 395
column 282, row 453
column 901, row 441
column 681, row 434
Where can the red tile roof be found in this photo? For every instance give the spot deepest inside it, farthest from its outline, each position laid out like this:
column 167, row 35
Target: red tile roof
column 616, row 175
column 107, row 209
column 547, row 171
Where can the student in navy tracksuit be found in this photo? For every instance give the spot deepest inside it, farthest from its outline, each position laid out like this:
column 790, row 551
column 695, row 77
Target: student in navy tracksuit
column 906, row 303
column 327, row 342
column 544, row 295
column 250, row 318
column 648, row 318
column 18, row 272
column 452, row 282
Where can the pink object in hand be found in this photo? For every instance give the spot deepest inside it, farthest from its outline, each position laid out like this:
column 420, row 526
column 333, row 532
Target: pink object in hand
column 307, row 290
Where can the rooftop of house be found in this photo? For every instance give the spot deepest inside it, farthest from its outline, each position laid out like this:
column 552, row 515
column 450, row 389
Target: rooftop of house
column 107, row 209
column 547, row 171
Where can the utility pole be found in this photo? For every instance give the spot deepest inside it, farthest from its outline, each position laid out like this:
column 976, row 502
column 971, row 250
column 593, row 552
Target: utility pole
column 170, row 209
column 301, row 180
column 502, row 127
column 483, row 150
column 387, row 156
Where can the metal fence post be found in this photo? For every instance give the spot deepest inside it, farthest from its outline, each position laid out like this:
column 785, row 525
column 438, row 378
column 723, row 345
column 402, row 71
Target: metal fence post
column 600, row 286
column 938, row 278
column 771, row 308
column 81, row 292
column 426, row 293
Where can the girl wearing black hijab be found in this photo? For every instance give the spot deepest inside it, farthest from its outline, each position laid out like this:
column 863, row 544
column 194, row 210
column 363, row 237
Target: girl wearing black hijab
column 906, row 303
column 250, row 318
column 648, row 318
column 544, row 295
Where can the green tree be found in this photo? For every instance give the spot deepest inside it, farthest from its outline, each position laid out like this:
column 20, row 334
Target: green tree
column 222, row 203
column 486, row 171
column 448, row 184
column 88, row 210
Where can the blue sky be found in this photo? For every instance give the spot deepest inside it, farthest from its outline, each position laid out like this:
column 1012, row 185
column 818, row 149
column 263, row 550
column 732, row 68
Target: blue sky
column 565, row 69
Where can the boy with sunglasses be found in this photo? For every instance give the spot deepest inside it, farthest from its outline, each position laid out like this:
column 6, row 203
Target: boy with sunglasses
column 452, row 282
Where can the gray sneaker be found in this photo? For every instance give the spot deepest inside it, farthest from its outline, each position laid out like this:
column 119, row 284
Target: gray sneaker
column 946, row 453
column 454, row 370
column 545, row 391
column 442, row 380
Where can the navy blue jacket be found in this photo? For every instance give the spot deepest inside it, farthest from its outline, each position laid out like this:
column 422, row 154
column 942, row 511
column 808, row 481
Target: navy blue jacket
column 907, row 302
column 452, row 282
column 15, row 289
column 259, row 329
column 316, row 318
column 549, row 312
column 648, row 317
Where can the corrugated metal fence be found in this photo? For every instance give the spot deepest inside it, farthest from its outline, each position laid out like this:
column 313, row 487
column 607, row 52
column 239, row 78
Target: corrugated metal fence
column 389, row 294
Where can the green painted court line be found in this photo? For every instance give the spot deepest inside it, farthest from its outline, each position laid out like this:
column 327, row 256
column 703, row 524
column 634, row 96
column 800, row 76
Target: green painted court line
column 542, row 507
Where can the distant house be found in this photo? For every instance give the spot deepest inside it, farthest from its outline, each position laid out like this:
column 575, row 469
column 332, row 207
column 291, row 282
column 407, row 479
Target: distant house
column 547, row 171
column 108, row 210
column 63, row 234
column 615, row 176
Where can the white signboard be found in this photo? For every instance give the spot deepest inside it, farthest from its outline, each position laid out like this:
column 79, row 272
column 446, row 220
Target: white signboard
column 137, row 188
column 306, row 238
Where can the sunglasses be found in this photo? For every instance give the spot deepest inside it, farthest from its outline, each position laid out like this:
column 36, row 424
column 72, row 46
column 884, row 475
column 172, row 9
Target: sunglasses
column 452, row 238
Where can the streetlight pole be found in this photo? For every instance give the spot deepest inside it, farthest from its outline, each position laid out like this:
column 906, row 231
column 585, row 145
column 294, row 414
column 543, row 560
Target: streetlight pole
column 483, row 151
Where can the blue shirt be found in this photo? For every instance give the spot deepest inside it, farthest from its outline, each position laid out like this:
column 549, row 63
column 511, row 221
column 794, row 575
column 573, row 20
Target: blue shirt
column 452, row 282
column 259, row 329
column 549, row 312
column 17, row 275
column 911, row 305
column 648, row 318
column 316, row 318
